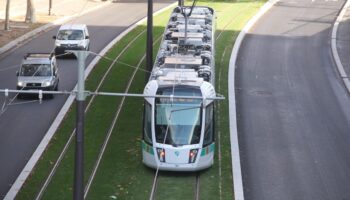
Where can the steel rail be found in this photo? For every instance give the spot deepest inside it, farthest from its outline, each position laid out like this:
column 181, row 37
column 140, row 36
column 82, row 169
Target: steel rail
column 197, row 178
column 64, row 151
column 105, row 143
column 154, row 186
column 232, row 20
column 6, row 91
column 197, row 187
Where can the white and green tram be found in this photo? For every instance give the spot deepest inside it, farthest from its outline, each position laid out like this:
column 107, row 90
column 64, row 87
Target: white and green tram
column 178, row 126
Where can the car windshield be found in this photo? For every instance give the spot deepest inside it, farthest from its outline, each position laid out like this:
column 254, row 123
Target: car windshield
column 70, row 35
column 35, row 70
column 178, row 120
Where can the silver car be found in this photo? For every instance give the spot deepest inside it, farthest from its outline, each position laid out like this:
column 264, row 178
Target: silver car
column 38, row 72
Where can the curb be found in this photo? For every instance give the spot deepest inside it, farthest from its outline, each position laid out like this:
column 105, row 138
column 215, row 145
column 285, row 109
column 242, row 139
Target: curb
column 236, row 162
column 34, row 32
column 59, row 118
column 335, row 54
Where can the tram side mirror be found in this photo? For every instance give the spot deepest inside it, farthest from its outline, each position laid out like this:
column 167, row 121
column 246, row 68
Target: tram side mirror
column 54, row 37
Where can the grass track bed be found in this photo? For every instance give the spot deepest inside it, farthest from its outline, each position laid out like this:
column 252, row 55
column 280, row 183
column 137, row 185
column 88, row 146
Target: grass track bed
column 173, row 186
column 121, row 173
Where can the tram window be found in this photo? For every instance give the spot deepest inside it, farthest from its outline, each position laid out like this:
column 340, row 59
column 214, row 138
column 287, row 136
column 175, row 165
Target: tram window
column 178, row 121
column 209, row 125
column 147, row 128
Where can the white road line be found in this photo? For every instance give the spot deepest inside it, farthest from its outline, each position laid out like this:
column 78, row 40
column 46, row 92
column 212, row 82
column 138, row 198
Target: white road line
column 54, row 126
column 35, row 32
column 63, row 153
column 236, row 162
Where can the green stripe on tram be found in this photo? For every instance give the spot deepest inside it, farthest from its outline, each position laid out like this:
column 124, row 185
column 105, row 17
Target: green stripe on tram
column 147, row 148
column 208, row 149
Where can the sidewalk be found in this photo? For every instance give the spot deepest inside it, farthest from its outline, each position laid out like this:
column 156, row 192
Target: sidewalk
column 60, row 9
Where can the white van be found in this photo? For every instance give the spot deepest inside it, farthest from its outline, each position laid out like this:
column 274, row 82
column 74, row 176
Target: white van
column 71, row 37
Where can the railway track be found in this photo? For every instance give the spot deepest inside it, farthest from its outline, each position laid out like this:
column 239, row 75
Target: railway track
column 91, row 101
column 197, row 187
column 196, row 182
column 87, row 188
column 220, row 62
column 66, row 147
column 154, row 191
column 158, row 181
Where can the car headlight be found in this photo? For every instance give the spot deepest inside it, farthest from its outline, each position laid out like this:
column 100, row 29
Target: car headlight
column 57, row 44
column 46, row 83
column 20, row 84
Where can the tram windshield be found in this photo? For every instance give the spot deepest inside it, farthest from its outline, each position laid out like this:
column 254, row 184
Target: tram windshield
column 178, row 122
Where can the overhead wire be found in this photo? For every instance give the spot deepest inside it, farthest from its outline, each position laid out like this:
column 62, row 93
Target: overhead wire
column 135, row 68
column 155, row 179
column 8, row 68
column 5, row 103
column 58, row 161
column 87, row 188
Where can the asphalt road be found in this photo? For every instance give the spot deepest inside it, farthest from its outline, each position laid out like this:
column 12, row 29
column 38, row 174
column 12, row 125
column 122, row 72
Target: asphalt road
column 22, row 126
column 293, row 110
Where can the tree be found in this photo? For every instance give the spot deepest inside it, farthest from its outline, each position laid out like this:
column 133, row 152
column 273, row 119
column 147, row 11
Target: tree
column 30, row 16
column 7, row 15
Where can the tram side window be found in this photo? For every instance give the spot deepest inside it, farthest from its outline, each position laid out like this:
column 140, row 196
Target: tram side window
column 209, row 125
column 147, row 122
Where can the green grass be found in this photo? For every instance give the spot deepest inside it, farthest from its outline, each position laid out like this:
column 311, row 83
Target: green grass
column 173, row 186
column 121, row 172
column 231, row 18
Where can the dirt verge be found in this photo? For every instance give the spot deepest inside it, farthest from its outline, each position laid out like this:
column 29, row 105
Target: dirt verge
column 18, row 27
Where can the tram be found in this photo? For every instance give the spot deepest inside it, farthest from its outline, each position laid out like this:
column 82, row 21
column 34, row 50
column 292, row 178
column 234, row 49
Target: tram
column 178, row 132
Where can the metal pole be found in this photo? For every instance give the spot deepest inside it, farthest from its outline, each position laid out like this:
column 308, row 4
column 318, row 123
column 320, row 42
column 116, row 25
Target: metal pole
column 7, row 16
column 50, row 6
column 149, row 47
column 180, row 3
column 186, row 21
column 79, row 137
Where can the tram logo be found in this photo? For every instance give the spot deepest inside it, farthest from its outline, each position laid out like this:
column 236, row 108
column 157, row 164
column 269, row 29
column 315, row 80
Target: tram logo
column 177, row 153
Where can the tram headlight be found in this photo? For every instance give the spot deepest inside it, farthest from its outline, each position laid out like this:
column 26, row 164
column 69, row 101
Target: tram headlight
column 193, row 155
column 161, row 154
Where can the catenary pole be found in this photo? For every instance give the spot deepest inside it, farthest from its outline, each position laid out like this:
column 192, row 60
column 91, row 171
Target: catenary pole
column 78, row 193
column 149, row 45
